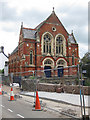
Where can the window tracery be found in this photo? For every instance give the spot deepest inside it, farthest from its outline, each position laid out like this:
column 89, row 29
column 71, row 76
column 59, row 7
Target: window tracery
column 47, row 44
column 59, row 45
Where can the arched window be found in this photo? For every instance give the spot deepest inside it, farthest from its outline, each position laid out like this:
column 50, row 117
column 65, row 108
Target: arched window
column 59, row 45
column 47, row 44
column 48, row 62
column 61, row 62
column 31, row 57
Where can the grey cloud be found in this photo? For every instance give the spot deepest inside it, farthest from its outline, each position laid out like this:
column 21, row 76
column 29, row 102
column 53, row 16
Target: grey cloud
column 12, row 28
column 27, row 16
column 33, row 17
column 76, row 15
column 8, row 14
column 82, row 38
column 89, row 26
column 80, row 34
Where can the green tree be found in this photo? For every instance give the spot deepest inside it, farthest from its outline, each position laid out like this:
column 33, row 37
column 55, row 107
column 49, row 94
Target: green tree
column 2, row 71
column 85, row 61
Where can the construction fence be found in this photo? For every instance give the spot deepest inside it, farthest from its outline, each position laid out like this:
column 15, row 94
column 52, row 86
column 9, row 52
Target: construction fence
column 61, row 75
column 62, row 79
column 41, row 79
column 69, row 75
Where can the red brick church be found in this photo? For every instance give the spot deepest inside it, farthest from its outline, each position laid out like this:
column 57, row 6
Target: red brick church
column 48, row 46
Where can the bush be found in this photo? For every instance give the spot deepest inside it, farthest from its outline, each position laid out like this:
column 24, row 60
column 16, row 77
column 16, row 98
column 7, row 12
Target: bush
column 87, row 82
column 77, row 81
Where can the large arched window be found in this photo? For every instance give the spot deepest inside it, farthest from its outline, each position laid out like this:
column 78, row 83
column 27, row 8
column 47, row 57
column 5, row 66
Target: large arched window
column 31, row 57
column 59, row 45
column 47, row 44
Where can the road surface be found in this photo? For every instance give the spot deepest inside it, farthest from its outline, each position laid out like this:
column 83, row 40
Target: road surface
column 22, row 109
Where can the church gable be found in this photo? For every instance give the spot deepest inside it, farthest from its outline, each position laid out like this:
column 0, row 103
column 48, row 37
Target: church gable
column 48, row 46
column 53, row 19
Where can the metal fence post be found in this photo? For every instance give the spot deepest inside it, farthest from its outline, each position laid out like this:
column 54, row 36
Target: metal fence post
column 11, row 75
column 36, row 79
column 80, row 90
column 83, row 93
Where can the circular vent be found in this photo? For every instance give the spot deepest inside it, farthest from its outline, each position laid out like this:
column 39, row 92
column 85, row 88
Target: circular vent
column 53, row 29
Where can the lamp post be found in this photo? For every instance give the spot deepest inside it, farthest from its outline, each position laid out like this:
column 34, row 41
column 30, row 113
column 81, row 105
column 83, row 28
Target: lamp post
column 2, row 51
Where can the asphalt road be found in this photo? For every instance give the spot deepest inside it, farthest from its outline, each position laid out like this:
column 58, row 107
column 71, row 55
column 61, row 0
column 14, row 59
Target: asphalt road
column 22, row 109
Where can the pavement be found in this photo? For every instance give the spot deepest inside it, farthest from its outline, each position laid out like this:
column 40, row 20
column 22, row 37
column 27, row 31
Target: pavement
column 72, row 99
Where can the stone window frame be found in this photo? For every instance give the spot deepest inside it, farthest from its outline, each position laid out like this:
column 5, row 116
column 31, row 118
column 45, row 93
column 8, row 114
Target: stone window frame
column 52, row 61
column 49, row 62
column 53, row 28
column 63, row 43
column 47, row 44
column 64, row 61
column 42, row 43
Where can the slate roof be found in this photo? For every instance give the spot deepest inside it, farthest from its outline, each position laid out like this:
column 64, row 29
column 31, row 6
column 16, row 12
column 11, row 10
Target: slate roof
column 15, row 50
column 40, row 25
column 28, row 33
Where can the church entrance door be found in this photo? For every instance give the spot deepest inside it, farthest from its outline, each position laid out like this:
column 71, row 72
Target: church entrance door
column 47, row 71
column 60, row 71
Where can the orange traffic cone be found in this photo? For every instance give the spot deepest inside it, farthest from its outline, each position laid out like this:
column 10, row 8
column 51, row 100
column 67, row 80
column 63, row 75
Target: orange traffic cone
column 11, row 95
column 37, row 104
column 0, row 89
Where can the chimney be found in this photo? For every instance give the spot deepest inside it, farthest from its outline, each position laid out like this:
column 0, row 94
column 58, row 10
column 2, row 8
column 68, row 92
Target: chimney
column 71, row 32
column 2, row 49
column 21, row 24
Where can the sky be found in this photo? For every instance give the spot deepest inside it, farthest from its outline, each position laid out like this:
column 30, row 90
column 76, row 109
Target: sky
column 72, row 13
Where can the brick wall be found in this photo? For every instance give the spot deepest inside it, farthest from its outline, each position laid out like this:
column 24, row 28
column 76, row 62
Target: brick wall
column 74, row 89
column 66, row 88
column 26, row 45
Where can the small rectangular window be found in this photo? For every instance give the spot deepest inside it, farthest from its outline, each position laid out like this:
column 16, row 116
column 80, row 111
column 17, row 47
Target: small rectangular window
column 31, row 57
column 72, row 60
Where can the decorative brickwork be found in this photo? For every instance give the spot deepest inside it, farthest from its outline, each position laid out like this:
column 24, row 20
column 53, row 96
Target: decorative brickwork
column 49, row 45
